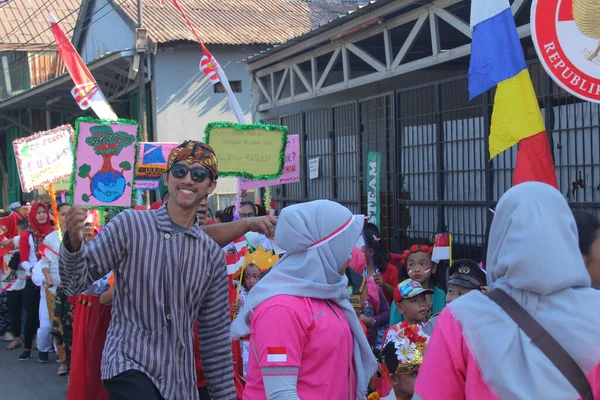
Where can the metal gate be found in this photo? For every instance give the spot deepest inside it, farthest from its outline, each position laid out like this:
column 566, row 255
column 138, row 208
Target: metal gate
column 445, row 182
column 434, row 146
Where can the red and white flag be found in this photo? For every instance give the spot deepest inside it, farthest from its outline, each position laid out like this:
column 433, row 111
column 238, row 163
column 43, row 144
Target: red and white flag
column 276, row 354
column 442, row 247
column 207, row 66
column 383, row 385
column 235, row 261
column 86, row 91
column 212, row 69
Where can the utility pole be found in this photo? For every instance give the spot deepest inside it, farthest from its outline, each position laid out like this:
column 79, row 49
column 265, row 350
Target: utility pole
column 141, row 46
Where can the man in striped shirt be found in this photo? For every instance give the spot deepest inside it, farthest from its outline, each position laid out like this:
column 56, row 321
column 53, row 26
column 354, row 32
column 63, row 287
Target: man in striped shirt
column 168, row 274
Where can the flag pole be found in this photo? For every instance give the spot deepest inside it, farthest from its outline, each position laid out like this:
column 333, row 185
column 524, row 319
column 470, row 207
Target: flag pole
column 141, row 49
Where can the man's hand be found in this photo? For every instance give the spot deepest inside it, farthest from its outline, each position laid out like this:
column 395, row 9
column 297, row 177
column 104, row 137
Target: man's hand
column 75, row 221
column 265, row 225
column 48, row 282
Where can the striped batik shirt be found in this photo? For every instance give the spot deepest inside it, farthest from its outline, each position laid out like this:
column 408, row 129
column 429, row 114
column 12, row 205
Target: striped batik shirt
column 164, row 281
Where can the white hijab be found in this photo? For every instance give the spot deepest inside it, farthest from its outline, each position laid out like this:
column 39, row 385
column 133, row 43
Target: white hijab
column 533, row 255
column 314, row 273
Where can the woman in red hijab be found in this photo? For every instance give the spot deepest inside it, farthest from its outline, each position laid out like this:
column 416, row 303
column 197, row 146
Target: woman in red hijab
column 29, row 241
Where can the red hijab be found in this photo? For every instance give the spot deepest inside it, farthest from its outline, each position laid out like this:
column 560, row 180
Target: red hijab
column 10, row 222
column 40, row 231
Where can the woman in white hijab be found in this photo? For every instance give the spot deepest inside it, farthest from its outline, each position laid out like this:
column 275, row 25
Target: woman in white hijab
column 306, row 341
column 477, row 351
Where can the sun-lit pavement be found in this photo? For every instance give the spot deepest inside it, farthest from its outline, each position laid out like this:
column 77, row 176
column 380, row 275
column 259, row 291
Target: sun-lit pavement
column 29, row 380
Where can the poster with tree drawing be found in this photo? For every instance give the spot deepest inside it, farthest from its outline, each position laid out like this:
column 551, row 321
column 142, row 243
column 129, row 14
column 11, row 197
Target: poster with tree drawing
column 104, row 161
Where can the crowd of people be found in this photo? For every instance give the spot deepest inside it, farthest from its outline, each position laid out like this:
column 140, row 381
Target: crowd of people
column 146, row 305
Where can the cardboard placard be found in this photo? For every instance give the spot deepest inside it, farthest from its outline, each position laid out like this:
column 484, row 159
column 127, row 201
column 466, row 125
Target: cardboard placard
column 152, row 164
column 291, row 168
column 253, row 151
column 105, row 157
column 44, row 157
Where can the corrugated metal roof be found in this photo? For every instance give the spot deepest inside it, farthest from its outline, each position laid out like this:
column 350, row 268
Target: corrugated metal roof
column 35, row 33
column 237, row 22
column 361, row 9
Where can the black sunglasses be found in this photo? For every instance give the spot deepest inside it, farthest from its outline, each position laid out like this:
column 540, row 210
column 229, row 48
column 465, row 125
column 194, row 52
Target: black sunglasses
column 180, row 171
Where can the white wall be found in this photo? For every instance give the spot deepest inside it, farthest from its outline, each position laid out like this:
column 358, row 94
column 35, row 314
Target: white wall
column 185, row 99
column 108, row 32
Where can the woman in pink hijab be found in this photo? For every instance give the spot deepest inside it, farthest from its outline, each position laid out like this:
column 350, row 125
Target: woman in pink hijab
column 376, row 310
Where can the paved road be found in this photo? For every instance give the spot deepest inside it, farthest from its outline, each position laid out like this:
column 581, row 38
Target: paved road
column 29, row 380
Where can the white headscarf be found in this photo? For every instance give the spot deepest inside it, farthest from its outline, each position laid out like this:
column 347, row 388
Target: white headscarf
column 309, row 270
column 533, row 255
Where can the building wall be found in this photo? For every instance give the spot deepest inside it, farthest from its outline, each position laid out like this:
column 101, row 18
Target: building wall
column 185, row 98
column 108, row 32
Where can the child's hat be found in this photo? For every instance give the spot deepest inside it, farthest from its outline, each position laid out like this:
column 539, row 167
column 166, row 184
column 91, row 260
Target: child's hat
column 409, row 288
column 468, row 274
column 263, row 259
column 356, row 285
column 410, row 343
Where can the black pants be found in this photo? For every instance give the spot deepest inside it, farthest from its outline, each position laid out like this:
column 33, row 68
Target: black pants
column 14, row 261
column 131, row 385
column 28, row 298
column 203, row 392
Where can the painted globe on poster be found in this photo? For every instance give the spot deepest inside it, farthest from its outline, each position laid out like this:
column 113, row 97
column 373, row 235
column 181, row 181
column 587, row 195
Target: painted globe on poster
column 566, row 35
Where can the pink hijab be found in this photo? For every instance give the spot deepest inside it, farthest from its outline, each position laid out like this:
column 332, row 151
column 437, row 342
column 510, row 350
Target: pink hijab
column 358, row 262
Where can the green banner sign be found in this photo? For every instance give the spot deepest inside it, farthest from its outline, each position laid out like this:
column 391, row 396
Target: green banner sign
column 373, row 187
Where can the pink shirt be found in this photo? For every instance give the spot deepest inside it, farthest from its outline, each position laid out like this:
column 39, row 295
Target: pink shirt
column 309, row 334
column 453, row 372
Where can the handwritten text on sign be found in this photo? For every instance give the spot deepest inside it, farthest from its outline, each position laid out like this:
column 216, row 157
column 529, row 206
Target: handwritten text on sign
column 248, row 151
column 291, row 168
column 44, row 158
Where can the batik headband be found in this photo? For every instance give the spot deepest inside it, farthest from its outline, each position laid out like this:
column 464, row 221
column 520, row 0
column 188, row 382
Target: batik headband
column 194, row 152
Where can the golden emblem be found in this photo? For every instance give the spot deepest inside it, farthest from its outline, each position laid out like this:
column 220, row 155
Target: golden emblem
column 586, row 14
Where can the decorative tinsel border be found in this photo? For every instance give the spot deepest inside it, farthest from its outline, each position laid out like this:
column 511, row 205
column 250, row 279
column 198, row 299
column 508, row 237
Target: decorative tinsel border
column 248, row 127
column 26, row 188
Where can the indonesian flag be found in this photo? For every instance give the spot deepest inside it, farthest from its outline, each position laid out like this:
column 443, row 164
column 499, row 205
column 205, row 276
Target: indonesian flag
column 276, row 354
column 385, row 389
column 235, row 261
column 207, row 65
column 442, row 247
column 86, row 91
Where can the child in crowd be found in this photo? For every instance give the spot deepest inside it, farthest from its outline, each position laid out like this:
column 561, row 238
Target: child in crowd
column 402, row 356
column 417, row 266
column 378, row 267
column 464, row 276
column 13, row 266
column 375, row 310
column 46, row 276
column 411, row 299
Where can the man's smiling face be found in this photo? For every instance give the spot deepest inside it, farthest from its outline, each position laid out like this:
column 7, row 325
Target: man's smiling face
column 184, row 191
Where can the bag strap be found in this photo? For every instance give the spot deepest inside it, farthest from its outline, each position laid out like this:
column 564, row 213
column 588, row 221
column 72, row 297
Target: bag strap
column 546, row 343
